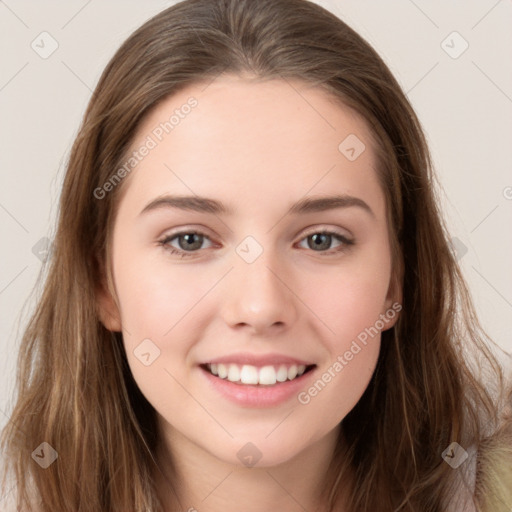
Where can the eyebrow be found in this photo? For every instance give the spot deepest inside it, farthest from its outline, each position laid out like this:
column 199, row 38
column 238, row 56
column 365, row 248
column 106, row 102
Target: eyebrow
column 207, row 205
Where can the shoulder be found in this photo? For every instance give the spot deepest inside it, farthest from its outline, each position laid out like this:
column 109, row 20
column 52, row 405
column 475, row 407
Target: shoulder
column 462, row 495
column 484, row 479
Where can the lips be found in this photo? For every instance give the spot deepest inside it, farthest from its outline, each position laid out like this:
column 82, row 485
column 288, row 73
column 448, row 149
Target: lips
column 255, row 387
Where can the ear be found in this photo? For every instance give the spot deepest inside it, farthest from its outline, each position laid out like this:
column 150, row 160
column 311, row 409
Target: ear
column 108, row 310
column 393, row 302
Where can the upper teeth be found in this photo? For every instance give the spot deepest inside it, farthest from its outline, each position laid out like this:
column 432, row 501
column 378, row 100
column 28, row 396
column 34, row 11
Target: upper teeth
column 248, row 374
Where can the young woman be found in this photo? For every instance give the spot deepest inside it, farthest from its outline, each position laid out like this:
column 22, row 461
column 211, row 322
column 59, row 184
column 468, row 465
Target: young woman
column 251, row 301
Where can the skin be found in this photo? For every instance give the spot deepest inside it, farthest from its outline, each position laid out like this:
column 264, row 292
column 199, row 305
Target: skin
column 258, row 147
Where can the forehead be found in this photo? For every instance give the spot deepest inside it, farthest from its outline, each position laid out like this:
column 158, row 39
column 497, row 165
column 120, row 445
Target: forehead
column 237, row 133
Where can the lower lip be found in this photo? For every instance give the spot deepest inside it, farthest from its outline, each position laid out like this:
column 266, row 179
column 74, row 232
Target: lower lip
column 247, row 395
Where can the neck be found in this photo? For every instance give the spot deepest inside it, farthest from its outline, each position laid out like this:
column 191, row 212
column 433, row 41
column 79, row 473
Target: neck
column 192, row 479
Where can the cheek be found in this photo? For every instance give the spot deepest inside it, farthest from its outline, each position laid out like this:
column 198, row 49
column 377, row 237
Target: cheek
column 155, row 297
column 349, row 301
column 349, row 306
column 349, row 298
column 339, row 385
column 161, row 303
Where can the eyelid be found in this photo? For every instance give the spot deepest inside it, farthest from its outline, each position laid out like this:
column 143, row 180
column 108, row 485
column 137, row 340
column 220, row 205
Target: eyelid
column 182, row 230
column 167, row 237
column 328, row 230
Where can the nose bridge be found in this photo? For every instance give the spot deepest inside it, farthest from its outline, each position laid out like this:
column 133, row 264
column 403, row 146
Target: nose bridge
column 256, row 295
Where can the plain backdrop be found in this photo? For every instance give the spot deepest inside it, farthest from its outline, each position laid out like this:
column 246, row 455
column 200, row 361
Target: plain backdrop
column 452, row 58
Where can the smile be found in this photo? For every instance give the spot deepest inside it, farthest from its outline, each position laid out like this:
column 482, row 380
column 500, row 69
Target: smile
column 252, row 375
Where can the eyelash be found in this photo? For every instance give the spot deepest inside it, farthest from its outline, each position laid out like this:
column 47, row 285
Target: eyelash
column 346, row 243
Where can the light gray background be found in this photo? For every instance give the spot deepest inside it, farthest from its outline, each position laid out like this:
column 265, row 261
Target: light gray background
column 464, row 103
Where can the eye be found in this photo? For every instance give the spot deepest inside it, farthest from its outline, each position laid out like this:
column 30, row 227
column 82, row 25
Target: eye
column 321, row 241
column 186, row 241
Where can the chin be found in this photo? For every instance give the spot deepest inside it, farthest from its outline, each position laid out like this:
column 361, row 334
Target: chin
column 260, row 452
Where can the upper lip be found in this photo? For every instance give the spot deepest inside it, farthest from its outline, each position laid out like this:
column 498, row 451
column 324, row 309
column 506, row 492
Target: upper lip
column 258, row 360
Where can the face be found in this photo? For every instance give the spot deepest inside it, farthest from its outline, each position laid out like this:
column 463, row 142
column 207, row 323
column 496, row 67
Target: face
column 252, row 267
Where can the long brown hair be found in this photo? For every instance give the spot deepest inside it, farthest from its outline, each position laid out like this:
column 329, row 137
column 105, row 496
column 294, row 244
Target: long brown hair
column 75, row 389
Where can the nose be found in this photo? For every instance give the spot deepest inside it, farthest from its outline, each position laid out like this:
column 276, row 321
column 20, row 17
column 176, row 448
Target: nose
column 259, row 297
